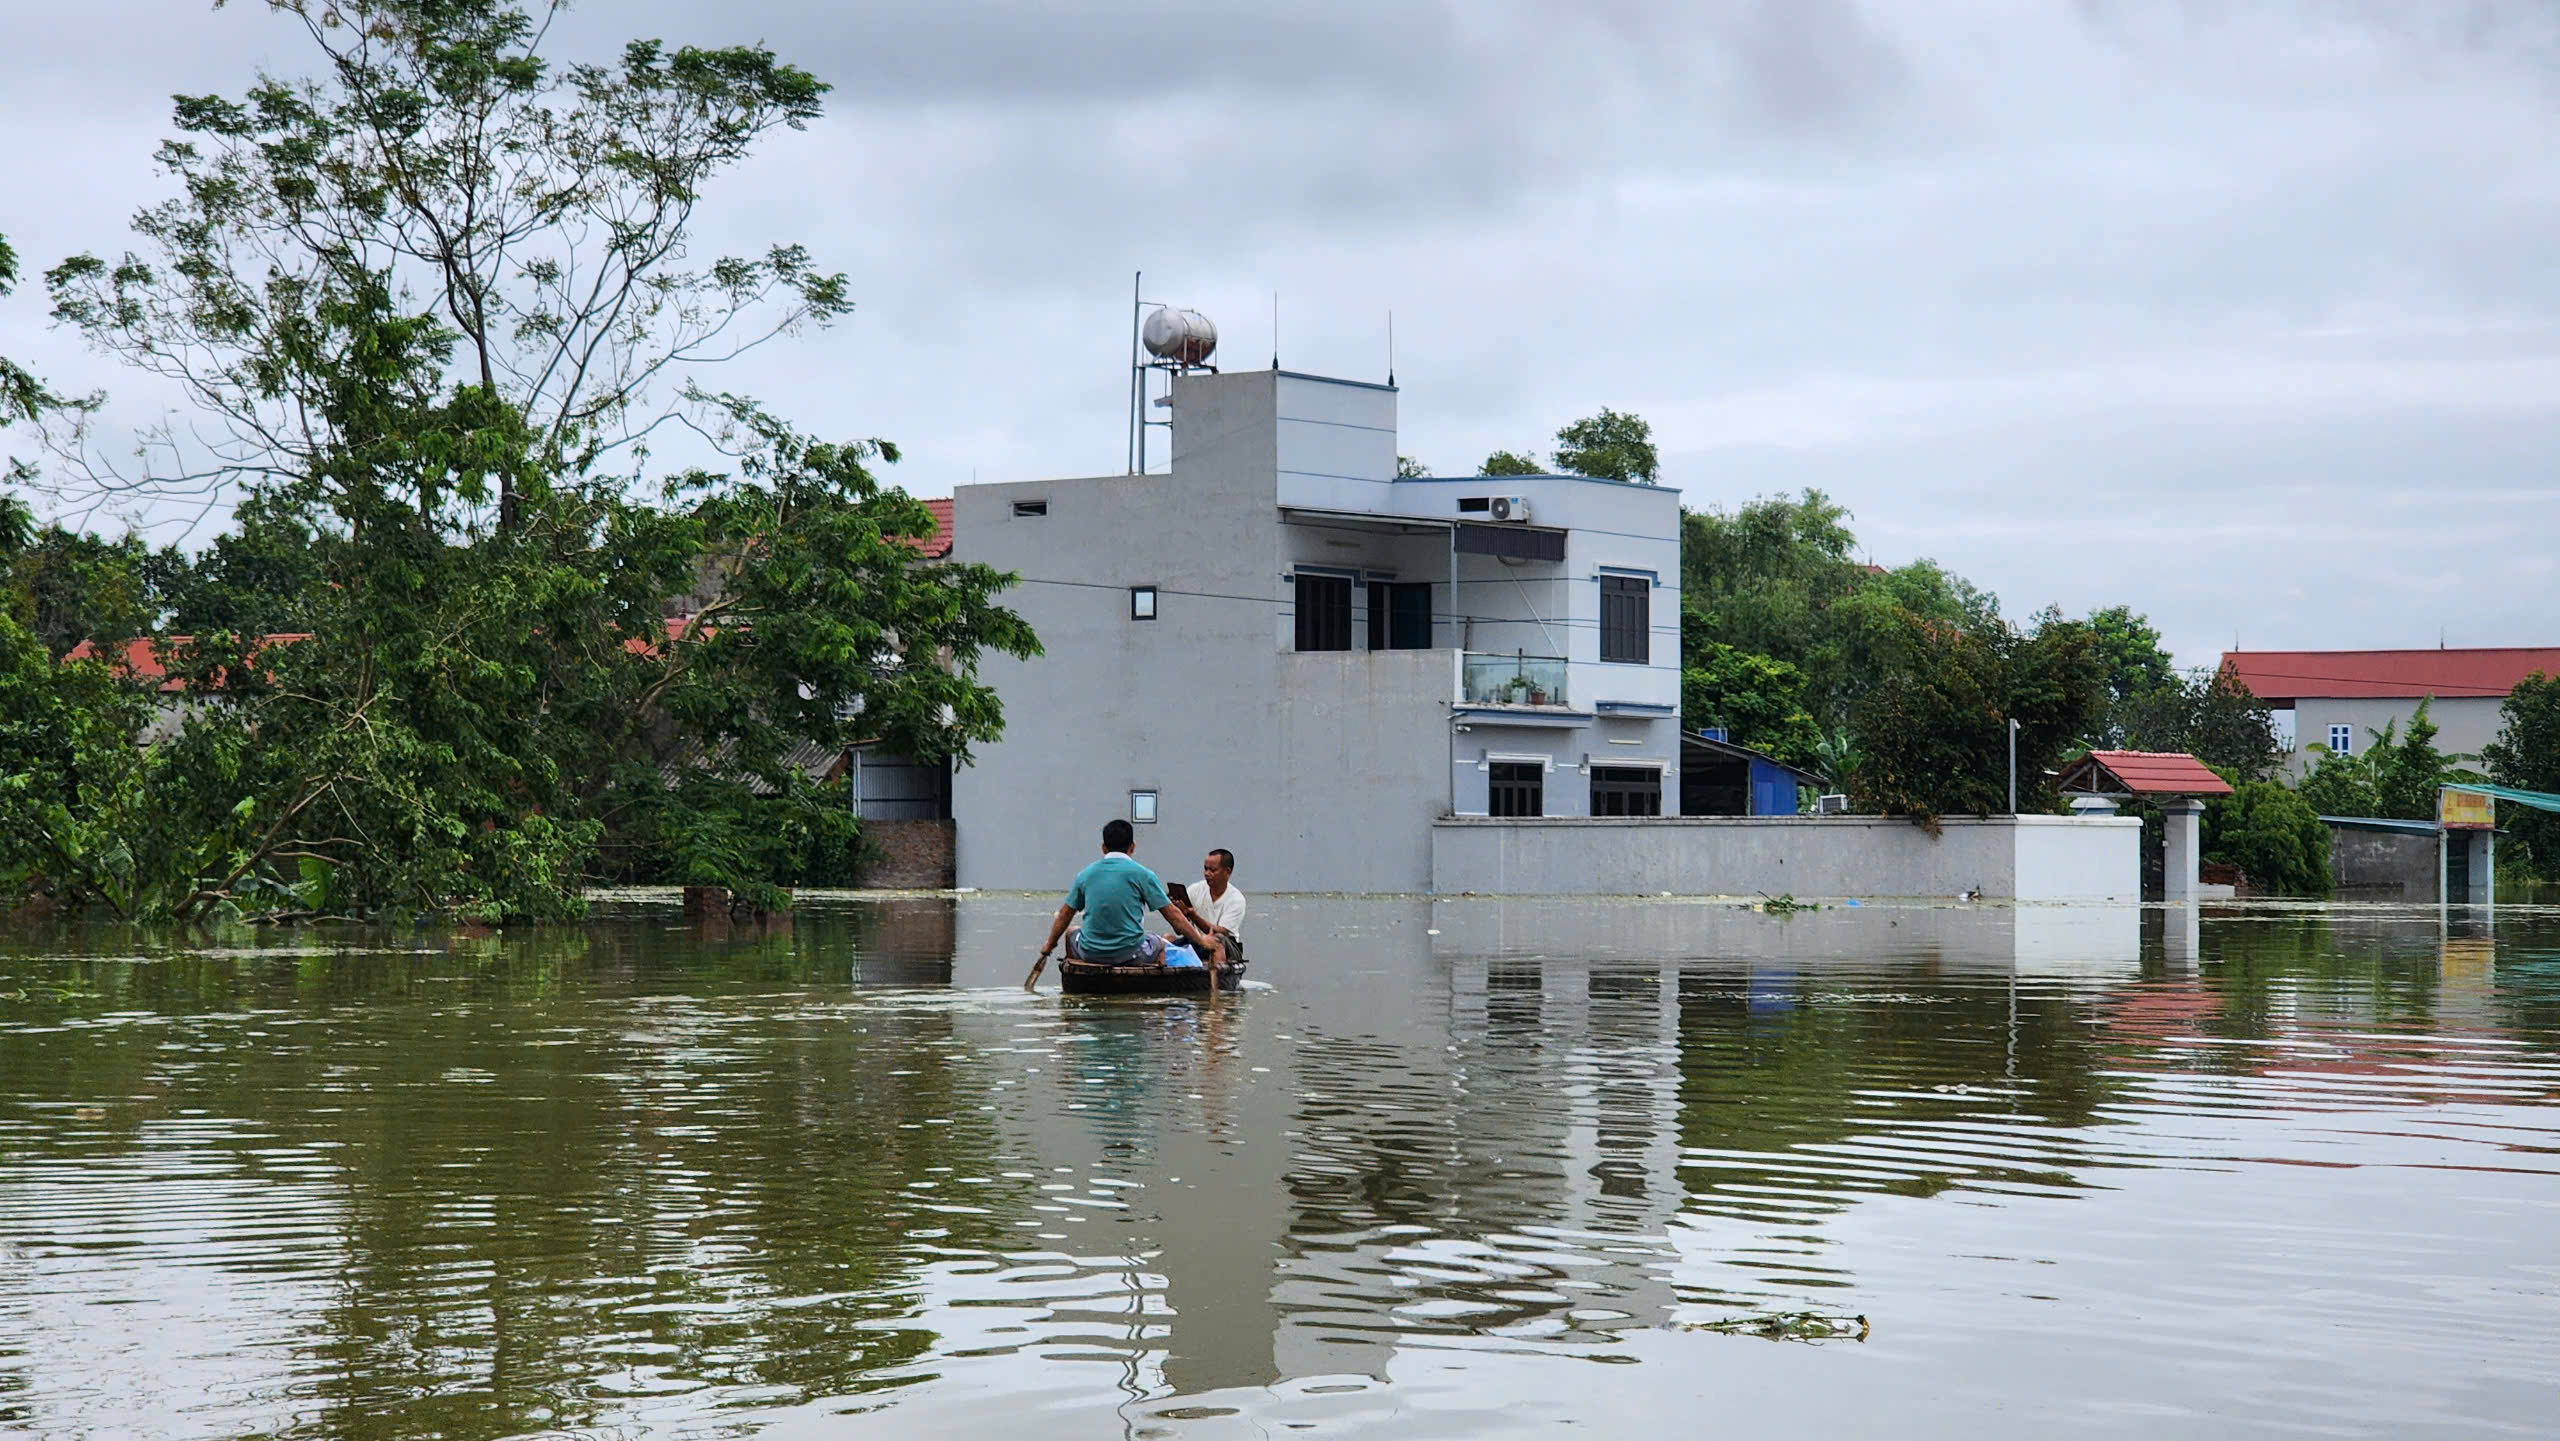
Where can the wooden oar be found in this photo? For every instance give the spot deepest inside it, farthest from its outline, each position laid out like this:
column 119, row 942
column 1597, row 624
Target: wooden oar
column 1032, row 982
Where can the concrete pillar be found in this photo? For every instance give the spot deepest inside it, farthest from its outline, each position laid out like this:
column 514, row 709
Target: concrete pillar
column 2182, row 832
column 2181, row 940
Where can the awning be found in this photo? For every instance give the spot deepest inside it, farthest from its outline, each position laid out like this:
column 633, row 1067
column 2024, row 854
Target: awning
column 2539, row 800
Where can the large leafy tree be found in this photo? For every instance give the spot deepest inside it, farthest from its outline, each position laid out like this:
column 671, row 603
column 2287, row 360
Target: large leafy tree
column 2526, row 755
column 1508, row 462
column 1611, row 446
column 431, row 306
column 2272, row 834
column 1764, row 578
column 1932, row 732
column 533, row 222
column 2129, row 648
column 1758, row 701
column 2210, row 714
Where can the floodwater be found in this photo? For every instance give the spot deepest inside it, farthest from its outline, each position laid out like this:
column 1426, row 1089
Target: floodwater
column 1453, row 1169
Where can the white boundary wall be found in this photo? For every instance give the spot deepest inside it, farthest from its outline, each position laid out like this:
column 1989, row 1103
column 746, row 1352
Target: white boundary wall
column 2026, row 858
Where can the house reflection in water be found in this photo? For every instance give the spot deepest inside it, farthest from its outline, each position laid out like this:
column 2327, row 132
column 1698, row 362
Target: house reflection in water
column 1545, row 1124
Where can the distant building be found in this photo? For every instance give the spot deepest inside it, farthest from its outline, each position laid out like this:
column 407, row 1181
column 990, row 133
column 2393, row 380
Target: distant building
column 2338, row 698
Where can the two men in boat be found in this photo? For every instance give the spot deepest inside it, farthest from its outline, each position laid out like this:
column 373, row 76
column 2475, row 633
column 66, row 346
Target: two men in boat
column 1114, row 895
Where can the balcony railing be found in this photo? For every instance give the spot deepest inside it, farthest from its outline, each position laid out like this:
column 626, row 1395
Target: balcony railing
column 1515, row 679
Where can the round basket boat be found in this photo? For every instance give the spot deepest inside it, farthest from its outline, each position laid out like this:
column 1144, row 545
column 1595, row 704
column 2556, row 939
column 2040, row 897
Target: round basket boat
column 1092, row 978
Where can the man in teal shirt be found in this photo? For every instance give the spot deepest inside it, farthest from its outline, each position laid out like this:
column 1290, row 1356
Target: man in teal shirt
column 1114, row 894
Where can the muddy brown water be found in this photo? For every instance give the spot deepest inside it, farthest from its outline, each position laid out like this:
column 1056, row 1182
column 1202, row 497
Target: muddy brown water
column 1450, row 1169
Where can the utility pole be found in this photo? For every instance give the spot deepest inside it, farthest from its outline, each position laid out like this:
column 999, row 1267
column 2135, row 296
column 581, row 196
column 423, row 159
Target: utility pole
column 2013, row 767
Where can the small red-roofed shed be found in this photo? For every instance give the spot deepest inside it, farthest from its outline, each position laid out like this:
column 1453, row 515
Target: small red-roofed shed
column 2159, row 774
column 2178, row 783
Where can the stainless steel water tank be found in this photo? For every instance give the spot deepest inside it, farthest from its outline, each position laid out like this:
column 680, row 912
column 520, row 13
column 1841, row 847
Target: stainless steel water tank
column 1184, row 337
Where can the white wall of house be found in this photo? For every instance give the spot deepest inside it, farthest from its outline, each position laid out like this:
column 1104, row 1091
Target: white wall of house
column 2463, row 724
column 1323, row 771
column 2028, row 858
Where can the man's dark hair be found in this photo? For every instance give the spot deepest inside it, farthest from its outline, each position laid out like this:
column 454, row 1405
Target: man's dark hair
column 1226, row 858
column 1118, row 835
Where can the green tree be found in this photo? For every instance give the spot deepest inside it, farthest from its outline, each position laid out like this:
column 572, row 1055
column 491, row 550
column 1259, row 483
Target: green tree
column 256, row 579
column 2408, row 775
column 2340, row 786
column 2526, row 755
column 2394, row 777
column 1765, row 578
column 1759, row 701
column 1932, row 732
column 23, row 398
column 71, row 587
column 1408, row 468
column 2272, row 834
column 542, row 217
column 2129, row 648
column 1610, row 446
column 433, row 301
column 2210, row 714
column 74, row 785
column 1507, row 462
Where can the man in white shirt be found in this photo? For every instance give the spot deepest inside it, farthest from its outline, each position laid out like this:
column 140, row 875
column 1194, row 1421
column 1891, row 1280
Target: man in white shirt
column 1221, row 905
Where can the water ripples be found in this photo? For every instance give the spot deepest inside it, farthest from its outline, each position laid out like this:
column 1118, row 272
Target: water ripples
column 382, row 1198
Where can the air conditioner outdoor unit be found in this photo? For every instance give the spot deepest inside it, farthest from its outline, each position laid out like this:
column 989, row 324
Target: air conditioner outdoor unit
column 1510, row 507
column 1834, row 804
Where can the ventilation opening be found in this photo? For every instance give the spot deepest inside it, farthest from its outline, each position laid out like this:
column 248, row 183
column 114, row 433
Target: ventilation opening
column 1024, row 509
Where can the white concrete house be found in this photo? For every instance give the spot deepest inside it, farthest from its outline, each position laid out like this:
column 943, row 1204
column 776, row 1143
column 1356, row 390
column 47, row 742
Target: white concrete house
column 1281, row 648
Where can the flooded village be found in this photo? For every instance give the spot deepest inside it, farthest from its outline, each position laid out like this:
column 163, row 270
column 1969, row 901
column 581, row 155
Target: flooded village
column 1436, row 721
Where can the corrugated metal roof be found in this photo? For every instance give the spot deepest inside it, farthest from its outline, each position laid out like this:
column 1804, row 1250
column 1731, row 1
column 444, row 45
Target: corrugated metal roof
column 1690, row 740
column 811, row 759
column 2281, row 677
column 2150, row 773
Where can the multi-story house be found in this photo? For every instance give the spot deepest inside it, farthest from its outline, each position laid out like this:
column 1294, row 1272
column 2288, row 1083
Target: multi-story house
column 1283, row 648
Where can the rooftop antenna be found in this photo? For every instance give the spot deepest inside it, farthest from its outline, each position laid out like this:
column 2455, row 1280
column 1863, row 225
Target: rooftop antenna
column 1275, row 330
column 1165, row 339
column 1391, row 349
column 1137, row 395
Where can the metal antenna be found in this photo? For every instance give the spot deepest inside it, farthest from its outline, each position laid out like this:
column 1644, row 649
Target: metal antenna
column 1391, row 347
column 1137, row 371
column 1275, row 330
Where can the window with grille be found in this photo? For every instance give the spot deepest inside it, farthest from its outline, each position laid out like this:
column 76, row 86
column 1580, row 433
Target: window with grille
column 1626, row 630
column 1626, row 791
column 1518, row 788
column 1324, row 612
column 2342, row 739
column 1399, row 615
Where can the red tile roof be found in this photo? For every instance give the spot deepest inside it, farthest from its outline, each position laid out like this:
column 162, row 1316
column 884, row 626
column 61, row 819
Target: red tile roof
column 2155, row 773
column 940, row 545
column 140, row 661
column 2279, row 677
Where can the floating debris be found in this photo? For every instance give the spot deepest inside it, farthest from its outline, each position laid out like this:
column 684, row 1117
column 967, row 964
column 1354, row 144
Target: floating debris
column 1789, row 1326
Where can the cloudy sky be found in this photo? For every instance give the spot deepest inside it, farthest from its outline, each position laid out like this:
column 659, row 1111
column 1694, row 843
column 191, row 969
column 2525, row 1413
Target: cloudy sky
column 2245, row 312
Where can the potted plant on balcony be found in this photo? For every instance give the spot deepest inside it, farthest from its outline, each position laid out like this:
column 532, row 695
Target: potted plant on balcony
column 1511, row 688
column 1537, row 694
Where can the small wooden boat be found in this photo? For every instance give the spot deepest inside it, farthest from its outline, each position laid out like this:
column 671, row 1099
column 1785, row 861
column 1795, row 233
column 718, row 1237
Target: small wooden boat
column 1093, row 978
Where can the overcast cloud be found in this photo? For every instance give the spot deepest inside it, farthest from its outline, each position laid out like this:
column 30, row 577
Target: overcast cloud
column 2243, row 312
